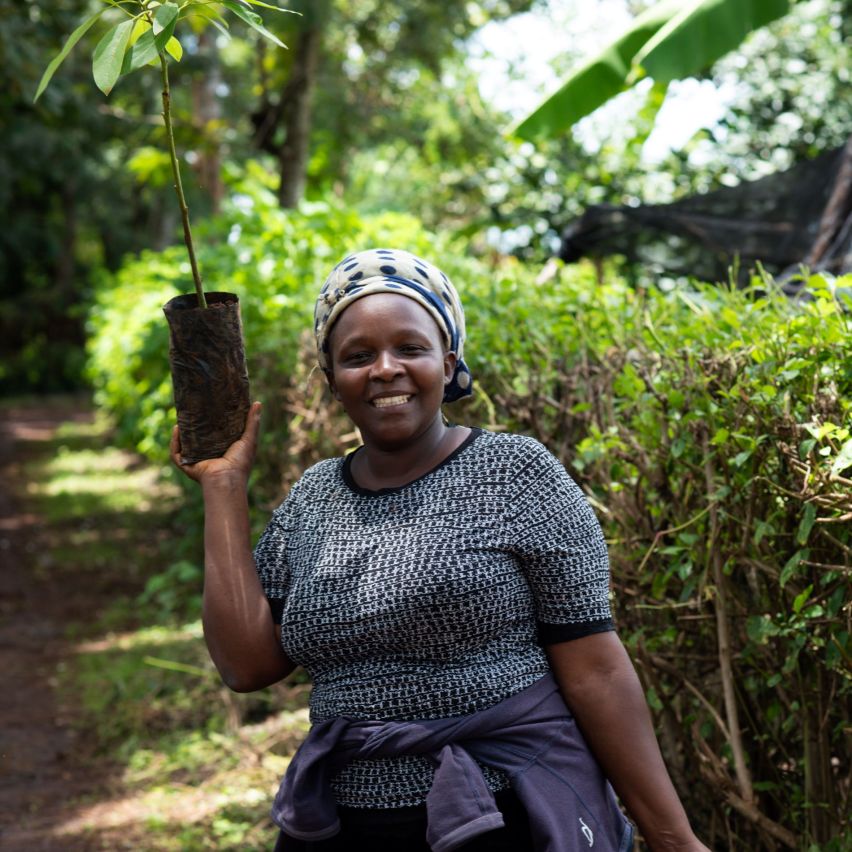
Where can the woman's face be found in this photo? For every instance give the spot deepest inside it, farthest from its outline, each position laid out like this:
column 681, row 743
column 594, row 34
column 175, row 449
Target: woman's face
column 389, row 368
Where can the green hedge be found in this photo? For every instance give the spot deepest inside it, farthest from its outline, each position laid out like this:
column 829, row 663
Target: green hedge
column 710, row 430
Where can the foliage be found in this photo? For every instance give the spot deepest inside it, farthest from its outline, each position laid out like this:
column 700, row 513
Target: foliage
column 788, row 98
column 145, row 33
column 709, row 427
column 793, row 94
column 667, row 42
column 272, row 259
column 378, row 61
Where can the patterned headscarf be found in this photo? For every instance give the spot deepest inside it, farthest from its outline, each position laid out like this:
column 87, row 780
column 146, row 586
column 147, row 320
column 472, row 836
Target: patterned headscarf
column 395, row 271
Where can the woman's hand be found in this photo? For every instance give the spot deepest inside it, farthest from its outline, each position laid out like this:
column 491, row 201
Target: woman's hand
column 601, row 688
column 238, row 458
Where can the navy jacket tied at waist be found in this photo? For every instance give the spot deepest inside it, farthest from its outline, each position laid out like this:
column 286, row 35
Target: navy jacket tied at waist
column 531, row 736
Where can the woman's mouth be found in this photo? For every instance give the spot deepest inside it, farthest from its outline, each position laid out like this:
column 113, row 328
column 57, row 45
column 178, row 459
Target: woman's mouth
column 388, row 401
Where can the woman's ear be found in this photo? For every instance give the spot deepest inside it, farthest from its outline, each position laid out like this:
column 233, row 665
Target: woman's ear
column 450, row 359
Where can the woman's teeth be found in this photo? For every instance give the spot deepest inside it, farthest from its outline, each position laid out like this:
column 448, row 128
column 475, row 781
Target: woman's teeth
column 386, row 401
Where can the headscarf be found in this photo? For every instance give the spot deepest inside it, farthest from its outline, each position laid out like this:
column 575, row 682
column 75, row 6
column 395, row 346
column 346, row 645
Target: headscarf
column 394, row 271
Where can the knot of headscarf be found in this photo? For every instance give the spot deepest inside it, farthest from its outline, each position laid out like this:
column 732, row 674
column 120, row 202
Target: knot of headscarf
column 395, row 271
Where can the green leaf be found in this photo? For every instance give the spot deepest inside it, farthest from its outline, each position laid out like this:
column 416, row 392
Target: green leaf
column 792, row 563
column 806, row 446
column 66, row 49
column 109, row 55
column 165, row 19
column 669, row 41
column 843, row 460
column 741, row 458
column 653, row 699
column 274, row 8
column 760, row 627
column 174, row 49
column 800, row 599
column 701, row 33
column 141, row 53
column 720, row 437
column 253, row 20
column 154, row 40
column 806, row 524
column 211, row 16
column 595, row 81
column 762, row 528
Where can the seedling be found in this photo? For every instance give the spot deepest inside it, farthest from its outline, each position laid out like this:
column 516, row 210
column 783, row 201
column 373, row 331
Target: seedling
column 145, row 36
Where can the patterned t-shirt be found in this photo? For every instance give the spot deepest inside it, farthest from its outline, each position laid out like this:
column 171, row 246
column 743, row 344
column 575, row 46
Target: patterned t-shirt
column 432, row 599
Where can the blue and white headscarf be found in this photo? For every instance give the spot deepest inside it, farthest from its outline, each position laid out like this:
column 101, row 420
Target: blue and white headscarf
column 395, row 271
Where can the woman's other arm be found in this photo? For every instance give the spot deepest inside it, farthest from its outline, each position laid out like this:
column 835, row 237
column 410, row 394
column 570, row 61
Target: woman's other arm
column 600, row 686
column 242, row 639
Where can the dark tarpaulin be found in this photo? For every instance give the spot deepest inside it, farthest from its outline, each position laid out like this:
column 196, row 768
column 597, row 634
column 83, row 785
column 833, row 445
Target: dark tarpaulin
column 799, row 216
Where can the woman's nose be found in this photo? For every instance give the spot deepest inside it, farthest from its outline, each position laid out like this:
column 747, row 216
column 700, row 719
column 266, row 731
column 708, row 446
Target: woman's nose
column 385, row 366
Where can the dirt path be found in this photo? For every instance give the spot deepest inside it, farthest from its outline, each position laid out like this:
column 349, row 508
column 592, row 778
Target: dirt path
column 43, row 770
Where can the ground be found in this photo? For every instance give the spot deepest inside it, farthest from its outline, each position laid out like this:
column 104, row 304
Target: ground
column 115, row 731
column 44, row 771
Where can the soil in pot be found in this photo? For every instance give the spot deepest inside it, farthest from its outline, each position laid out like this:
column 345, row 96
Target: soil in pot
column 209, row 373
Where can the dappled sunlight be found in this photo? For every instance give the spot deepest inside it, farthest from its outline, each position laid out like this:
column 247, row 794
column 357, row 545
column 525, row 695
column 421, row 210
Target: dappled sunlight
column 108, row 473
column 210, row 786
column 147, row 638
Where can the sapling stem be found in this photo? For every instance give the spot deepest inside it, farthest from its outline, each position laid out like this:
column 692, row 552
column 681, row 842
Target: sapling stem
column 184, row 210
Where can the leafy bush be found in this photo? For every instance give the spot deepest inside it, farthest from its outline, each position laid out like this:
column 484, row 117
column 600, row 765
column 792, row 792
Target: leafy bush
column 709, row 428
column 711, row 431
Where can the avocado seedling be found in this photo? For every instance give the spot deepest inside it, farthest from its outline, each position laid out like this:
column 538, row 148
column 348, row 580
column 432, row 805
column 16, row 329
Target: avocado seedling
column 206, row 350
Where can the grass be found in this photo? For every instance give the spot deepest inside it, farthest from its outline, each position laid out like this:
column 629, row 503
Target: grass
column 192, row 766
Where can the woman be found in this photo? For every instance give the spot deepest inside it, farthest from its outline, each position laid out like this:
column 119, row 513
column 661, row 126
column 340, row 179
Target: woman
column 447, row 590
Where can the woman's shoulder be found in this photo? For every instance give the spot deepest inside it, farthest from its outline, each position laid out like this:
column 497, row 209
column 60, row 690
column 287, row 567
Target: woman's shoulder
column 512, row 444
column 510, row 458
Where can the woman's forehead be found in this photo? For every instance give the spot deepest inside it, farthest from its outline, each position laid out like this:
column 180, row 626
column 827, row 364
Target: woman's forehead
column 384, row 312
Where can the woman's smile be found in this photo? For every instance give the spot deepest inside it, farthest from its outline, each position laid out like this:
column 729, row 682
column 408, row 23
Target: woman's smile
column 391, row 401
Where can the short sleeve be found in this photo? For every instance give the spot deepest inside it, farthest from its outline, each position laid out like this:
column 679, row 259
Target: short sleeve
column 271, row 556
column 562, row 551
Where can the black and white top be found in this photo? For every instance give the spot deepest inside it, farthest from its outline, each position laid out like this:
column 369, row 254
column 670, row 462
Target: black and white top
column 432, row 599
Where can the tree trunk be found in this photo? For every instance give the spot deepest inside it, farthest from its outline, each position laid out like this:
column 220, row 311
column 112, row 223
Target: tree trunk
column 296, row 115
column 837, row 211
column 207, row 112
column 65, row 262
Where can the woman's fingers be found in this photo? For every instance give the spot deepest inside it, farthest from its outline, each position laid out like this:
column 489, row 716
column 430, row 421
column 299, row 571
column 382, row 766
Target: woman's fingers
column 174, row 445
column 252, row 429
column 239, row 456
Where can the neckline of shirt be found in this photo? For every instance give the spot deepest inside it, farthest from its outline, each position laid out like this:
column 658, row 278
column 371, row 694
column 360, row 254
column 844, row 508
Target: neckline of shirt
column 346, row 471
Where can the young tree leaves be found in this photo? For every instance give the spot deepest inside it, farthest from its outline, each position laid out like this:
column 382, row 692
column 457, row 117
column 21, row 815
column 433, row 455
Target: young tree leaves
column 66, row 49
column 155, row 39
column 122, row 49
column 252, row 19
column 109, row 55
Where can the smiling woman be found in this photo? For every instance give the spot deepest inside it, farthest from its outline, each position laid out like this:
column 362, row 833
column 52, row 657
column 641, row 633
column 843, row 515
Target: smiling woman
column 389, row 369
column 447, row 589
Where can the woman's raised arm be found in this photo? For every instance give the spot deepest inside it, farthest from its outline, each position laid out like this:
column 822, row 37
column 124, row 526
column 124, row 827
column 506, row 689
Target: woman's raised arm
column 238, row 627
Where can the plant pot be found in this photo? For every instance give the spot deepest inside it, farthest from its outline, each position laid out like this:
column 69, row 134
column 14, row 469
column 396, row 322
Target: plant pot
column 209, row 374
